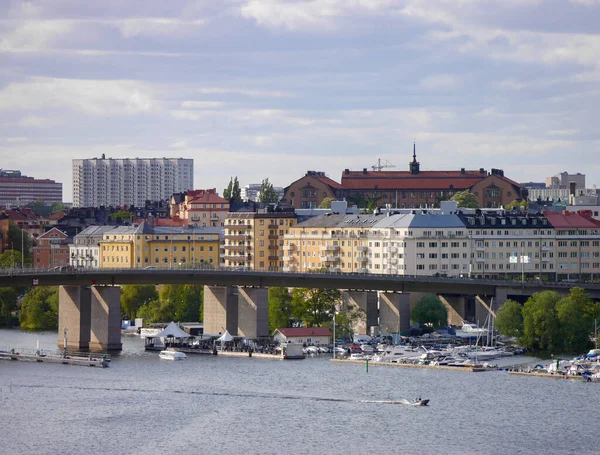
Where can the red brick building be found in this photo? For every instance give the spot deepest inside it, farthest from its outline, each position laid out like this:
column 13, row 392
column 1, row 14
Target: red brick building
column 52, row 249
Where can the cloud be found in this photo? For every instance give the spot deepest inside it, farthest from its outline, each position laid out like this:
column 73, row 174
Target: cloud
column 439, row 82
column 244, row 92
column 165, row 27
column 33, row 121
column 93, row 97
column 33, row 35
column 201, row 104
column 563, row 132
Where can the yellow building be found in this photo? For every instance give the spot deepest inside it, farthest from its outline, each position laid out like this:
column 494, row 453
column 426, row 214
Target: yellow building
column 334, row 242
column 161, row 246
column 254, row 240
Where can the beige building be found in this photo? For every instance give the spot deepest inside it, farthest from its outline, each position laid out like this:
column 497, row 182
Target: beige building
column 254, row 240
column 161, row 246
column 203, row 208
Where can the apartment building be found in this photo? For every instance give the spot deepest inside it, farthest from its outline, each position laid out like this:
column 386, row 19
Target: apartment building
column 85, row 249
column 115, row 182
column 161, row 247
column 202, row 208
column 479, row 245
column 52, row 249
column 254, row 240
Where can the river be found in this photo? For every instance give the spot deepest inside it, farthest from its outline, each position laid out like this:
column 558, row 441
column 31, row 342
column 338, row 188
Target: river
column 243, row 406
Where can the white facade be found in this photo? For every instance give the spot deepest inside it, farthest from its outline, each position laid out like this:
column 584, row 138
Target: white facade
column 113, row 182
column 251, row 192
column 85, row 249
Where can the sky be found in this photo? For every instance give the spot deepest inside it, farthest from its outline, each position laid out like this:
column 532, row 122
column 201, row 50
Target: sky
column 273, row 88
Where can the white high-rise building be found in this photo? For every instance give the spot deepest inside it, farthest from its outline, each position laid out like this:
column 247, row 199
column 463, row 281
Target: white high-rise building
column 129, row 181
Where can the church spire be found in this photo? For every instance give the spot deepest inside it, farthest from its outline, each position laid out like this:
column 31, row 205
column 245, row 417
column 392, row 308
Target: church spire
column 414, row 165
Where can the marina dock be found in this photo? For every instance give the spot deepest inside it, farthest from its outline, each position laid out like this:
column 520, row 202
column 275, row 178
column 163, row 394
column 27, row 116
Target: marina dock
column 547, row 375
column 469, row 369
column 67, row 358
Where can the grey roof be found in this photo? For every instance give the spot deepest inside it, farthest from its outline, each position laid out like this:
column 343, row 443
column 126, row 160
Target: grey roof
column 186, row 230
column 95, row 231
column 395, row 221
column 341, row 221
column 436, row 221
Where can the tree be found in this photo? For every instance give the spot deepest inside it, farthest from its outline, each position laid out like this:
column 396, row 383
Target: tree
column 40, row 207
column 229, row 190
column 236, row 192
column 314, row 307
column 326, row 203
column 182, row 302
column 267, row 193
column 280, row 308
column 516, row 205
column 509, row 319
column 576, row 313
column 122, row 215
column 133, row 296
column 541, row 326
column 465, row 199
column 233, row 191
column 19, row 240
column 8, row 304
column 39, row 309
column 429, row 310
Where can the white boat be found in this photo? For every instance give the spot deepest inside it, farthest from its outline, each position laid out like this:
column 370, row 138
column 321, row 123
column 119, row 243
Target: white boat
column 172, row 355
column 591, row 377
column 146, row 332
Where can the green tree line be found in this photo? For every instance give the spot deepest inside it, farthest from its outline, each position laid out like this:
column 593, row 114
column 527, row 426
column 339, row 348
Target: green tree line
column 550, row 322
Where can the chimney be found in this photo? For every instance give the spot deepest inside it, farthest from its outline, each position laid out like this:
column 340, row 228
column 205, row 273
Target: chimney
column 364, row 171
column 151, row 221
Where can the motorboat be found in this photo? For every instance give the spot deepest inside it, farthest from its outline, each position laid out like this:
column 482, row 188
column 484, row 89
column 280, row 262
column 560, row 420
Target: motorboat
column 172, row 355
column 420, row 402
column 595, row 377
column 358, row 356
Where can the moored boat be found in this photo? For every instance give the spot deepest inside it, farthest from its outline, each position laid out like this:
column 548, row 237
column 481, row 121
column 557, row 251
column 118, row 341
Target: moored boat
column 171, row 355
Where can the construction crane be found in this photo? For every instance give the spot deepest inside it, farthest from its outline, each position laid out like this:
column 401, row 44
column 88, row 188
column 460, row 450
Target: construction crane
column 382, row 164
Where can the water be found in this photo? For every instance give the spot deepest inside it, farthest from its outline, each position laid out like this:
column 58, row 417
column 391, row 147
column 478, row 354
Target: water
column 220, row 405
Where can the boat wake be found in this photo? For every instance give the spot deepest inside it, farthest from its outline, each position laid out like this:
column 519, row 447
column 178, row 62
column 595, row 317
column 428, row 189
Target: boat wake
column 226, row 394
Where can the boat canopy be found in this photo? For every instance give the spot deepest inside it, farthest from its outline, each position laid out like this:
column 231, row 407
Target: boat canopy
column 225, row 337
column 172, row 331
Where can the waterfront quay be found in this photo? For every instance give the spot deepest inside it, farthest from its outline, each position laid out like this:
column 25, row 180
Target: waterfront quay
column 471, row 369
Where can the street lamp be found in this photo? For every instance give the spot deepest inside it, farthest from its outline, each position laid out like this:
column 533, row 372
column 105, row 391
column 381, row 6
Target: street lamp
column 335, row 312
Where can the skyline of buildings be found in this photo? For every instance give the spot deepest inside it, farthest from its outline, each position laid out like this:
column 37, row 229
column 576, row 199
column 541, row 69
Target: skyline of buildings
column 131, row 181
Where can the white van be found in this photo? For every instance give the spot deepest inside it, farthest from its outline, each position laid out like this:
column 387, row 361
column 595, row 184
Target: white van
column 361, row 339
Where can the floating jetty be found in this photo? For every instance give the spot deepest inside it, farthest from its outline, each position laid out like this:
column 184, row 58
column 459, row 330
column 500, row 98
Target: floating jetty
column 547, row 375
column 66, row 358
column 470, row 369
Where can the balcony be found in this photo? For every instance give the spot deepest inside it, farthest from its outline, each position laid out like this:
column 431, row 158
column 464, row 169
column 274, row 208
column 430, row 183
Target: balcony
column 273, row 226
column 479, row 259
column 361, row 248
column 333, row 269
column 546, row 259
column 214, row 217
column 235, row 247
column 362, row 270
column 289, row 247
column 329, row 248
column 290, row 268
column 233, row 258
column 393, row 260
column 273, row 258
column 273, row 236
column 479, row 248
column 289, row 258
column 362, row 259
column 547, row 248
column 332, row 258
column 273, row 247
column 236, row 236
column 238, row 227
column 392, row 249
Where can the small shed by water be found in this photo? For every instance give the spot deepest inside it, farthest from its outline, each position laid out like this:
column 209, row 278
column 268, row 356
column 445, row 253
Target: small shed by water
column 314, row 336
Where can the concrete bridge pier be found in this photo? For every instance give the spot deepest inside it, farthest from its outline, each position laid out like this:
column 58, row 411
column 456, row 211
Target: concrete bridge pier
column 366, row 303
column 455, row 304
column 253, row 312
column 394, row 312
column 484, row 307
column 74, row 310
column 105, row 318
column 221, row 309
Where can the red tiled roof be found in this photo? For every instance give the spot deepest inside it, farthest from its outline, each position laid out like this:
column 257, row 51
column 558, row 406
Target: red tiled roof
column 330, row 182
column 207, row 198
column 168, row 222
column 570, row 220
column 305, row 332
column 411, row 184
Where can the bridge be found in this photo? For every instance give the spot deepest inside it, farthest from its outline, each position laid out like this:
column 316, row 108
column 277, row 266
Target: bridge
column 237, row 301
